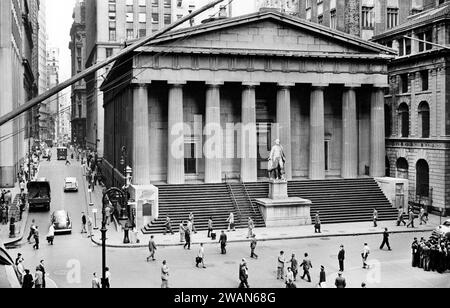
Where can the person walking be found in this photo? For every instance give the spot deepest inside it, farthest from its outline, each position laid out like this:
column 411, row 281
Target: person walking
column 51, row 234
column 32, row 230
column 401, row 217
column 19, row 259
column 181, row 230
column 341, row 258
column 243, row 275
column 340, row 282
column 365, row 255
column 201, row 256
column 42, row 269
column 230, row 221
column 322, row 277
column 191, row 219
column 21, row 270
column 210, row 227
column 317, row 223
column 90, row 227
column 253, row 244
column 423, row 216
column 152, row 248
column 411, row 217
column 95, row 282
column 164, row 275
column 83, row 223
column 385, row 240
column 280, row 265
column 294, row 266
column 168, row 226
column 28, row 280
column 107, row 282
column 251, row 226
column 307, row 265
column 187, row 237
column 223, row 243
column 375, row 218
column 36, row 238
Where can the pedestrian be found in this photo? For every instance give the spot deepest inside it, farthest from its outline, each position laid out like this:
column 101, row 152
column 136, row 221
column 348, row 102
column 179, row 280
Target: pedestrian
column 340, row 282
column 89, row 224
column 210, row 227
column 375, row 217
column 18, row 259
column 107, row 282
column 152, row 248
column 423, row 216
column 165, row 275
column 294, row 266
column 36, row 238
column 290, row 279
column 223, row 243
column 363, row 285
column 322, row 277
column 201, row 256
column 168, row 226
column 51, row 234
column 190, row 226
column 307, row 265
column 181, row 229
column 341, row 258
column 32, row 230
column 401, row 217
column 411, row 217
column 230, row 221
column 42, row 269
column 187, row 238
column 365, row 255
column 95, row 282
column 243, row 275
column 253, row 244
column 251, row 226
column 22, row 186
column 39, row 279
column 28, row 280
column 191, row 219
column 415, row 253
column 21, row 270
column 83, row 223
column 317, row 224
column 385, row 240
column 280, row 265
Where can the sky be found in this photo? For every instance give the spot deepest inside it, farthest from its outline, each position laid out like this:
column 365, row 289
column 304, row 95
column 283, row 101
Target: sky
column 59, row 22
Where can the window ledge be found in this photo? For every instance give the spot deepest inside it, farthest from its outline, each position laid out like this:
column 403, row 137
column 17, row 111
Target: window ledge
column 424, row 92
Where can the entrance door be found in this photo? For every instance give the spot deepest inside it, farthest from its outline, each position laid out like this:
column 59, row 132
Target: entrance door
column 264, row 136
column 190, row 161
column 399, row 195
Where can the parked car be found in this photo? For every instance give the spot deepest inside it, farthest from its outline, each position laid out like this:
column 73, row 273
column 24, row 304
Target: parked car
column 61, row 221
column 70, row 184
column 443, row 230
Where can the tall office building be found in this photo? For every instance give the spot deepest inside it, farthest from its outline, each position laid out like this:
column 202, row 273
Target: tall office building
column 44, row 120
column 53, row 103
column 77, row 47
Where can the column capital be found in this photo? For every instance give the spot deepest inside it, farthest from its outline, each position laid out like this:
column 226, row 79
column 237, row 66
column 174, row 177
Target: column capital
column 320, row 85
column 177, row 82
column 250, row 84
column 287, row 85
column 214, row 83
column 139, row 83
column 381, row 86
column 352, row 85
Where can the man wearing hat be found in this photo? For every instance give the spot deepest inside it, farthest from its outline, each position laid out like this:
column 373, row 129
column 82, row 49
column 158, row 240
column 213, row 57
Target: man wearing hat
column 341, row 258
column 340, row 282
column 243, row 275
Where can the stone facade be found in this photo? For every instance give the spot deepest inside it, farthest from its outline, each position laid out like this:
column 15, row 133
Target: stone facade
column 268, row 78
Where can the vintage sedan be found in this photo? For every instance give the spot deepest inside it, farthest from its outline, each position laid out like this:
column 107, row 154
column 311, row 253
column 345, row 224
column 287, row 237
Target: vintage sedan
column 70, row 184
column 61, row 222
column 443, row 230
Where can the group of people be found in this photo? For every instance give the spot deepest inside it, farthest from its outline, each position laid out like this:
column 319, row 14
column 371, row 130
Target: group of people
column 5, row 204
column 431, row 255
column 28, row 280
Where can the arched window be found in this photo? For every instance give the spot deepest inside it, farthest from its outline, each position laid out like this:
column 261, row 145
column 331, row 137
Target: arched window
column 402, row 168
column 403, row 114
column 424, row 119
column 388, row 120
column 422, row 178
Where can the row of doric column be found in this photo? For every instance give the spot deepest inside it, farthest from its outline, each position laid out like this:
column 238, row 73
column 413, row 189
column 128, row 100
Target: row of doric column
column 248, row 142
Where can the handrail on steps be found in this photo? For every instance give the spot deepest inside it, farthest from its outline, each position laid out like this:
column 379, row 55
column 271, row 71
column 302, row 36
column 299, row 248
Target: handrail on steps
column 247, row 195
column 235, row 203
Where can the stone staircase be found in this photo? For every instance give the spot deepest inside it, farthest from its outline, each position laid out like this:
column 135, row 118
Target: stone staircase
column 204, row 201
column 339, row 201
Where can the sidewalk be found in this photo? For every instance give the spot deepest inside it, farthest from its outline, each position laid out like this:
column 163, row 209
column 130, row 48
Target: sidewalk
column 115, row 239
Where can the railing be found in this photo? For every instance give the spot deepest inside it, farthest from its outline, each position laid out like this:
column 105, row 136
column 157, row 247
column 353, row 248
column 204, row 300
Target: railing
column 233, row 197
column 247, row 195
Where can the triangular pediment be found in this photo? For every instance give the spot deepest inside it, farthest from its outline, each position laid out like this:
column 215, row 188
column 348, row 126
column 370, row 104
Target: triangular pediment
column 269, row 31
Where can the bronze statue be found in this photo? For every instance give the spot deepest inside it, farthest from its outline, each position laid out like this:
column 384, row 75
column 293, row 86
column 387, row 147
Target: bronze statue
column 277, row 162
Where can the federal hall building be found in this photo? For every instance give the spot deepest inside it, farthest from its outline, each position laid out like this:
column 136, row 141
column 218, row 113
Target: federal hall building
column 323, row 89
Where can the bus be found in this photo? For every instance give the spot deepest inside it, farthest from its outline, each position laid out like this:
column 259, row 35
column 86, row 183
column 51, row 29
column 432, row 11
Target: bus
column 62, row 153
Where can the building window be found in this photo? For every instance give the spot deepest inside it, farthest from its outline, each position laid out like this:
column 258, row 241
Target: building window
column 424, row 37
column 167, row 19
column 190, row 162
column 404, row 83
column 112, row 35
column 109, row 52
column 130, row 34
column 388, row 121
column 402, row 168
column 167, row 3
column 424, row 77
column 424, row 119
column 392, row 17
column 320, row 19
column 333, row 20
column 403, row 113
column 327, row 155
column 142, row 33
column 155, row 18
column 367, row 17
column 422, row 179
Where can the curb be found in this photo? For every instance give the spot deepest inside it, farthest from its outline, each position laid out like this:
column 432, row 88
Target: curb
column 299, row 237
column 18, row 239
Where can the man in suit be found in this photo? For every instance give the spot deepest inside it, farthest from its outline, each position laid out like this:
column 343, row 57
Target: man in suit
column 152, row 248
column 415, row 253
column 243, row 275
column 341, row 258
column 411, row 219
column 375, row 218
column 223, row 242
column 400, row 218
column 340, row 282
column 253, row 244
column 317, row 225
column 42, row 269
column 385, row 240
column 307, row 265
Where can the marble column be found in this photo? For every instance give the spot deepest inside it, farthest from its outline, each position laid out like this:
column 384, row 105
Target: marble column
column 349, row 162
column 175, row 160
column 249, row 151
column 317, row 133
column 213, row 135
column 284, row 124
column 141, row 138
column 377, row 134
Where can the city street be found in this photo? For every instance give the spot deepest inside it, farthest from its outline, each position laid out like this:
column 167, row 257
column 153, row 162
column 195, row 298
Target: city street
column 73, row 259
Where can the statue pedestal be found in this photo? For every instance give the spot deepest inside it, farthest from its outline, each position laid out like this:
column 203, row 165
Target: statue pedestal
column 145, row 205
column 280, row 210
